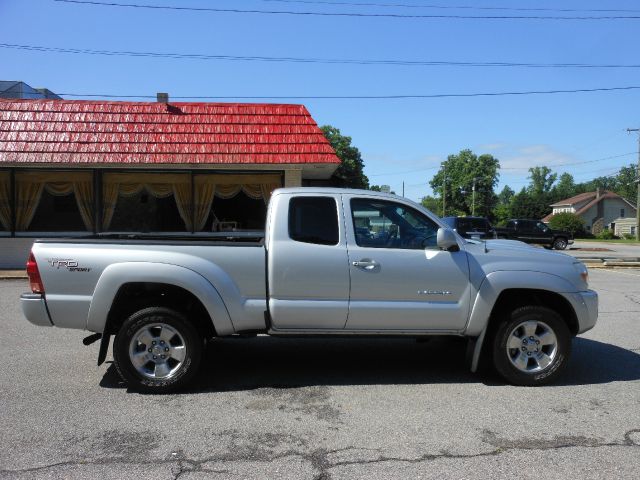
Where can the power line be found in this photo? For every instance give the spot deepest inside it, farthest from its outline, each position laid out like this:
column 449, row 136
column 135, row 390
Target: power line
column 574, row 163
column 347, row 61
column 451, row 7
column 358, row 15
column 403, row 173
column 512, row 168
column 360, row 97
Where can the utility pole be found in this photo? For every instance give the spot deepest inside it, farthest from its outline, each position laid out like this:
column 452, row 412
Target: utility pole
column 473, row 198
column 444, row 188
column 629, row 130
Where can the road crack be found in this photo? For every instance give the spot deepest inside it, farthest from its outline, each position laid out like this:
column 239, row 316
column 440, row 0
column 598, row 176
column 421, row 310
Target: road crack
column 320, row 459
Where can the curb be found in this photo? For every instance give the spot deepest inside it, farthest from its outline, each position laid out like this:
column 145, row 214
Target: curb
column 13, row 275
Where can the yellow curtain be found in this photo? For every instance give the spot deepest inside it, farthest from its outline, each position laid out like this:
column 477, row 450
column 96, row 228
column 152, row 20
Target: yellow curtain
column 29, row 195
column 84, row 199
column 160, row 185
column 5, row 201
column 227, row 191
column 109, row 199
column 204, row 194
column 267, row 190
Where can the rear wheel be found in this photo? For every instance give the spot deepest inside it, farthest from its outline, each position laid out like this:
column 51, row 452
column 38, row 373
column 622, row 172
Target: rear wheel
column 157, row 350
column 560, row 243
column 532, row 346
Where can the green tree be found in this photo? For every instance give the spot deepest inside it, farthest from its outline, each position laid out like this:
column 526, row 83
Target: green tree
column 565, row 188
column 567, row 221
column 350, row 173
column 456, row 179
column 542, row 179
column 526, row 205
column 502, row 211
column 432, row 203
column 505, row 196
column 627, row 180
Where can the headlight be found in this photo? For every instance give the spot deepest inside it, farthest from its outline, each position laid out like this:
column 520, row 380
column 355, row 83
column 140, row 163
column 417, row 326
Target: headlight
column 582, row 271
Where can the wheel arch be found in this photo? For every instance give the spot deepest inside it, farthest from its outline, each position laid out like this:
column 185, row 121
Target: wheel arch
column 124, row 286
column 510, row 299
column 135, row 296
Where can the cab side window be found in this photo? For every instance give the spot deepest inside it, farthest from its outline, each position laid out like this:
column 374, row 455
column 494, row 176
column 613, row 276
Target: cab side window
column 314, row 220
column 384, row 224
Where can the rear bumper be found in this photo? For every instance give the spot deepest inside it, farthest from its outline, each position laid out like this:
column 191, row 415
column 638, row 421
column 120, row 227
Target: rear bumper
column 34, row 309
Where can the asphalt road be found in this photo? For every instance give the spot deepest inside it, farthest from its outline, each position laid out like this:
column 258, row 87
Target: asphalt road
column 304, row 409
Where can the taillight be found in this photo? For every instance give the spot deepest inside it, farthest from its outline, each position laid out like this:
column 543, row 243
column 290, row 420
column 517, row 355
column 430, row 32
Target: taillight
column 35, row 282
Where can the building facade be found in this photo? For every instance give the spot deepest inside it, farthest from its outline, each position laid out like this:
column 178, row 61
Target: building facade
column 600, row 210
column 89, row 167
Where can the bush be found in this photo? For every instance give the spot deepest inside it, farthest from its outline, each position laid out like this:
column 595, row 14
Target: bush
column 606, row 235
column 628, row 236
column 567, row 221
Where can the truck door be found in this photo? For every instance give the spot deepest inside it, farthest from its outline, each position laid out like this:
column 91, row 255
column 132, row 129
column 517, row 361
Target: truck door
column 308, row 272
column 400, row 280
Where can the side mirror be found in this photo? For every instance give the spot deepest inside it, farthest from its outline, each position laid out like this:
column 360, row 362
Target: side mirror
column 447, row 240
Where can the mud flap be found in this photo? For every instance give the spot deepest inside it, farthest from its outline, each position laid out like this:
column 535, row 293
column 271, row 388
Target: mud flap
column 104, row 346
column 474, row 349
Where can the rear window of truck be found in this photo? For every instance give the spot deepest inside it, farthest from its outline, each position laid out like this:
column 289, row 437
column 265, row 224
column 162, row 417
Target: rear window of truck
column 313, row 220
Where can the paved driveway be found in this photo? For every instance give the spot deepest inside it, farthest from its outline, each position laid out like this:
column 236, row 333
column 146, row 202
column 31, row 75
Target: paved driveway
column 322, row 409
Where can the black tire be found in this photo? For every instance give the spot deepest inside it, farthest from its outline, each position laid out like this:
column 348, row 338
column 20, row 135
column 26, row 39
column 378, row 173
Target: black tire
column 560, row 243
column 533, row 368
column 185, row 341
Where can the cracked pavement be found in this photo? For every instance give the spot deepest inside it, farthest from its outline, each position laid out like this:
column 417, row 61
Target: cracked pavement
column 323, row 409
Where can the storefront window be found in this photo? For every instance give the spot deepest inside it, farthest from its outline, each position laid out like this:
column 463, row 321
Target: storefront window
column 146, row 202
column 232, row 202
column 5, row 202
column 54, row 202
column 238, row 213
column 57, row 213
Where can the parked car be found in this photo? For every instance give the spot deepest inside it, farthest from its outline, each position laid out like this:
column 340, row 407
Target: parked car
column 534, row 231
column 332, row 262
column 477, row 228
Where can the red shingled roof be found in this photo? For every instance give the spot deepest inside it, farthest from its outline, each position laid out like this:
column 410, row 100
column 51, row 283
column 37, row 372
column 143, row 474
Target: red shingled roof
column 100, row 132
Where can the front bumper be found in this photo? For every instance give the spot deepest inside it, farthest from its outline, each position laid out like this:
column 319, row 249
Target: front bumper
column 35, row 309
column 585, row 304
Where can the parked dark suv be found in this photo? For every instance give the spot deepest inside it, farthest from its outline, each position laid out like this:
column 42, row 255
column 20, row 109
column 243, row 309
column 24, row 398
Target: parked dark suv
column 471, row 227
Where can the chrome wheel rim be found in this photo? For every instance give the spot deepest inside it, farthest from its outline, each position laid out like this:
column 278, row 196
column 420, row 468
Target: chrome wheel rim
column 157, row 351
column 560, row 244
column 532, row 346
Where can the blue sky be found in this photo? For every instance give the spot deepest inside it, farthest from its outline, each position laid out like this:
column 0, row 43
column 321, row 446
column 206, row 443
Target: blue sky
column 400, row 139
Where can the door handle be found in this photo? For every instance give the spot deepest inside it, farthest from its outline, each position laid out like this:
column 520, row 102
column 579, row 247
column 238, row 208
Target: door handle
column 366, row 264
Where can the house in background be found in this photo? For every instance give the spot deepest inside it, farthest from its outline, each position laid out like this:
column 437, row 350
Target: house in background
column 11, row 89
column 78, row 167
column 600, row 210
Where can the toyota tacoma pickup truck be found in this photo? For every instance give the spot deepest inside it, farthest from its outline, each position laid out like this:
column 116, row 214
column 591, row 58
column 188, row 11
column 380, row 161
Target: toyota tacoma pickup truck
column 330, row 262
column 534, row 231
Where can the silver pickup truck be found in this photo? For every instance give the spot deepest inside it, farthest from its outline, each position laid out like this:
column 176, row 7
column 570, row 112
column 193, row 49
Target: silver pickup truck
column 331, row 262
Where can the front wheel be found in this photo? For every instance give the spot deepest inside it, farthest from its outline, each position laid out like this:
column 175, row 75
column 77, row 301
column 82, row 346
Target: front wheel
column 532, row 346
column 157, row 350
